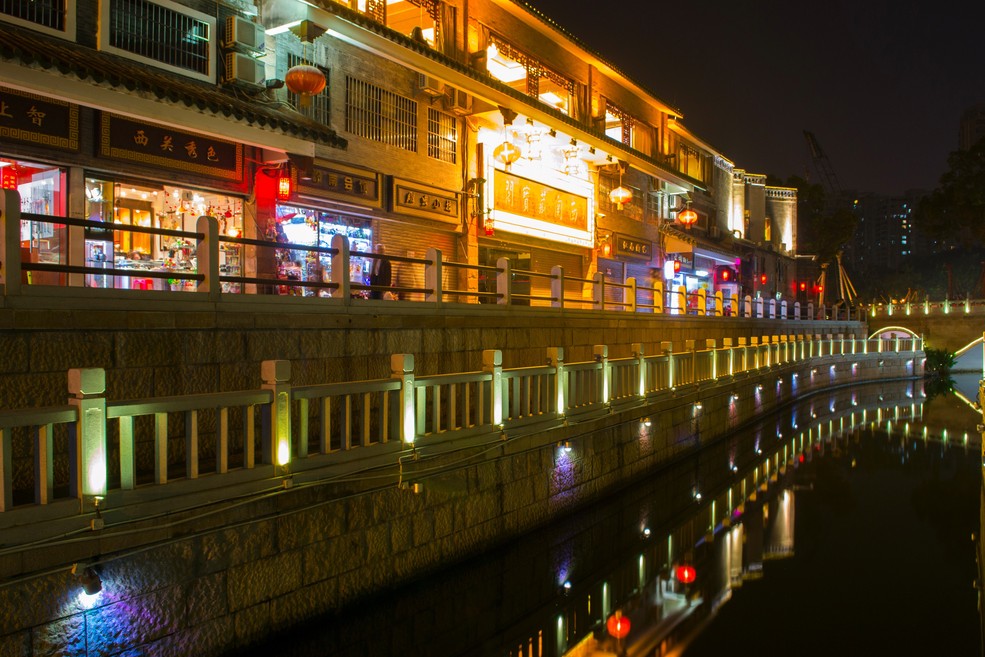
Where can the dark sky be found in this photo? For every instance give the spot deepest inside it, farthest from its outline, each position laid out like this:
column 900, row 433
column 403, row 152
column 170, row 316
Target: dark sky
column 881, row 83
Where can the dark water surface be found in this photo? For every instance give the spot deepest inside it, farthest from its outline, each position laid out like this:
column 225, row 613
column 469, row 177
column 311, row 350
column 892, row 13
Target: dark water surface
column 862, row 546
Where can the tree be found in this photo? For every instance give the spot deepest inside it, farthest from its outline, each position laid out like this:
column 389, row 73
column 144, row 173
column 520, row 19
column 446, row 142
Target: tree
column 955, row 211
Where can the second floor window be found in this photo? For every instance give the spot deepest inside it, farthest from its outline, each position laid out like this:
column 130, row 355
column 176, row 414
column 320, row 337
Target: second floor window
column 161, row 33
column 442, row 136
column 527, row 75
column 375, row 113
column 318, row 108
column 46, row 13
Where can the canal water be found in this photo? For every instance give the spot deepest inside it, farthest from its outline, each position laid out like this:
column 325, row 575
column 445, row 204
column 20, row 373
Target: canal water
column 842, row 526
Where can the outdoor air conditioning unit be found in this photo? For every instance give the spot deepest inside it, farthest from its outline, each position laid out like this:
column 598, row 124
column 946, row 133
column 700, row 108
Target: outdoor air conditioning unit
column 244, row 70
column 244, row 35
column 457, row 101
column 432, row 87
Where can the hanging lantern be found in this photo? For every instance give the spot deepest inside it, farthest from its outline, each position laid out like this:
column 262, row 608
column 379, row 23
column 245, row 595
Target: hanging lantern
column 686, row 573
column 489, row 227
column 284, row 186
column 687, row 217
column 617, row 625
column 620, row 196
column 605, row 248
column 305, row 81
column 506, row 153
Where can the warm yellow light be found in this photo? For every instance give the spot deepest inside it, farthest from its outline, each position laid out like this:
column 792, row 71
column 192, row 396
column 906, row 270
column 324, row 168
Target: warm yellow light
column 507, row 153
column 620, row 196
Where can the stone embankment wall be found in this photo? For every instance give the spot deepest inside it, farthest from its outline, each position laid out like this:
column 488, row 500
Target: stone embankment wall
column 206, row 583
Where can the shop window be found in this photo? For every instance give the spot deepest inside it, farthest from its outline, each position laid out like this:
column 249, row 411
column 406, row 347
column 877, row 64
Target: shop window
column 154, row 206
column 768, row 230
column 374, row 113
column 42, row 192
column 53, row 16
column 162, row 34
column 310, row 227
column 442, row 136
column 317, row 107
column 527, row 75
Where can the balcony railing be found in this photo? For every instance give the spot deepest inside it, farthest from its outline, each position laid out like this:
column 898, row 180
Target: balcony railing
column 206, row 276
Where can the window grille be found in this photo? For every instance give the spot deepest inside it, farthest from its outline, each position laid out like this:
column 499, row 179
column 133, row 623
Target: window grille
column 318, row 108
column 380, row 115
column 47, row 13
column 161, row 34
column 442, row 136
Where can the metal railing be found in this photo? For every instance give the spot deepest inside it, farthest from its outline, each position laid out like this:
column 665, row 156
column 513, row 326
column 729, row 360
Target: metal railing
column 209, row 275
column 154, row 442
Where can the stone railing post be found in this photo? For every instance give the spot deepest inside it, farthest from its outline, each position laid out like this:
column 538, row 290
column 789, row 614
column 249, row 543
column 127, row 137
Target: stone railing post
column 702, row 302
column 504, row 282
column 492, row 362
column 754, row 343
column 629, row 295
column 87, row 447
column 759, row 307
column 340, row 268
column 681, row 300
column 719, row 304
column 275, row 444
column 555, row 359
column 208, row 257
column 557, row 286
column 727, row 344
column 691, row 349
column 598, row 291
column 10, row 248
column 668, row 350
column 433, row 276
column 747, row 311
column 637, row 349
column 711, row 346
column 658, row 297
column 601, row 353
column 409, row 417
column 743, row 346
column 772, row 309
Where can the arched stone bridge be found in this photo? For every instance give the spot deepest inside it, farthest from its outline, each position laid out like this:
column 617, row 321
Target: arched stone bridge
column 953, row 325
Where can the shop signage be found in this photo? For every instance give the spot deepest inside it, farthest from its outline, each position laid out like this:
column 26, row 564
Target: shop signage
column 342, row 182
column 686, row 259
column 148, row 143
column 533, row 200
column 28, row 118
column 629, row 247
column 423, row 201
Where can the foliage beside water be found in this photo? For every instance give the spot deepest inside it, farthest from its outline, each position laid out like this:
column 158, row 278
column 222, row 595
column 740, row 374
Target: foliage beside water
column 939, row 362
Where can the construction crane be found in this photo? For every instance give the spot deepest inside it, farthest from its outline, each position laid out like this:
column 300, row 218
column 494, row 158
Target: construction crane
column 846, row 291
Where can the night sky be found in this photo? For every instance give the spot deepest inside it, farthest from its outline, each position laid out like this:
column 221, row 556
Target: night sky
column 881, row 83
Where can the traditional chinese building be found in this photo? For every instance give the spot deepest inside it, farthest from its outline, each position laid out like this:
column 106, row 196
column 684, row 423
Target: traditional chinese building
column 479, row 128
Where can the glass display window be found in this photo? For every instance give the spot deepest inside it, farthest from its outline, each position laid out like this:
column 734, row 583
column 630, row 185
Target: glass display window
column 42, row 189
column 310, row 227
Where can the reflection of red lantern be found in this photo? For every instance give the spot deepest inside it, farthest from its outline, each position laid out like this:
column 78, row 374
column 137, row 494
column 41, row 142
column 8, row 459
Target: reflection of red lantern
column 306, row 81
column 686, row 573
column 283, row 187
column 9, row 180
column 687, row 217
column 617, row 625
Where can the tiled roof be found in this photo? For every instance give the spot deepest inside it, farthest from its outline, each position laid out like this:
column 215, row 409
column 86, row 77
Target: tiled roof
column 35, row 50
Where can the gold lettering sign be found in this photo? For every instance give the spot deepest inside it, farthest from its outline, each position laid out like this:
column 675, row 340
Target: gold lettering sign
column 424, row 201
column 534, row 200
column 633, row 248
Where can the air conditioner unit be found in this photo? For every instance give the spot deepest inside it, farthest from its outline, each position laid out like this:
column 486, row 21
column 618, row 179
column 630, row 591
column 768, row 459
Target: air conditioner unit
column 244, row 35
column 429, row 86
column 457, row 101
column 244, row 70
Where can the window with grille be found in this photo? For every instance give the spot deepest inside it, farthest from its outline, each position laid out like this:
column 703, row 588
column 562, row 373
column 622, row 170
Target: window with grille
column 46, row 13
column 160, row 33
column 317, row 108
column 380, row 115
column 442, row 136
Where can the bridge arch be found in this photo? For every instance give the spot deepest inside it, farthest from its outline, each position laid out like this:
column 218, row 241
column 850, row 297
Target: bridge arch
column 887, row 332
column 968, row 347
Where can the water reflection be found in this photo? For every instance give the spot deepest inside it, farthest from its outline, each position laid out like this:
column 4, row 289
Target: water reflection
column 725, row 512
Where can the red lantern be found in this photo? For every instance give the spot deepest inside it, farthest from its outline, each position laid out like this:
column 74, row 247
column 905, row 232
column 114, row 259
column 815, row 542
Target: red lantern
column 677, row 266
column 9, row 179
column 617, row 625
column 306, row 81
column 283, row 187
column 620, row 196
column 687, row 217
column 762, row 279
column 686, row 573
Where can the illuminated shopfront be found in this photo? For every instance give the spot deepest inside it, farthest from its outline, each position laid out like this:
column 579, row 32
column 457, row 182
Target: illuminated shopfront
column 42, row 189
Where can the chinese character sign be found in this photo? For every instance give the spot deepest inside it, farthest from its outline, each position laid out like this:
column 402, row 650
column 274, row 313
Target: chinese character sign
column 534, row 200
